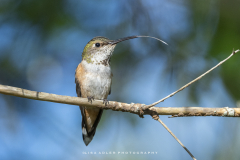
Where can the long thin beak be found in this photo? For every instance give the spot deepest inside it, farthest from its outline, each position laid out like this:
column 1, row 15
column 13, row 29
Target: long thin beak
column 122, row 39
column 132, row 37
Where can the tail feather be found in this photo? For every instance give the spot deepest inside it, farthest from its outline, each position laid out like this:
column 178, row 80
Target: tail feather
column 87, row 138
column 89, row 134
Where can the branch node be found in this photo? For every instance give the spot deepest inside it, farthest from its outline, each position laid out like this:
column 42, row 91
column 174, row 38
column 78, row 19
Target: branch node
column 229, row 112
column 155, row 117
column 137, row 108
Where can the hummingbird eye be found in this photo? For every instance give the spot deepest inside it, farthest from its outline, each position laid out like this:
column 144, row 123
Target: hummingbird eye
column 97, row 44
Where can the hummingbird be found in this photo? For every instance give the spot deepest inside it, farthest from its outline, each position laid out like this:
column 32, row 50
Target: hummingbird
column 93, row 78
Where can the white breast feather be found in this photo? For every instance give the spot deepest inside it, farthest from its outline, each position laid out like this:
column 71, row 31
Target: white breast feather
column 97, row 80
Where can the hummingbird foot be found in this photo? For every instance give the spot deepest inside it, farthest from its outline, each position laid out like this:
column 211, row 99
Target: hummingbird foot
column 105, row 101
column 90, row 98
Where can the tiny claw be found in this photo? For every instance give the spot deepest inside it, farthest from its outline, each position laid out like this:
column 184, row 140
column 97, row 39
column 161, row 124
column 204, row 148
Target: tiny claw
column 90, row 98
column 105, row 101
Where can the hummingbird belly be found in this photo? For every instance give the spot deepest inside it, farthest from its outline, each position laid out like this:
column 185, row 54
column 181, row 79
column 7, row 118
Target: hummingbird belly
column 97, row 86
column 96, row 81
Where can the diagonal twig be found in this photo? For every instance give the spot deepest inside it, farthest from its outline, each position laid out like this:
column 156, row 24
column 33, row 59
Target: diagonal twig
column 156, row 117
column 185, row 86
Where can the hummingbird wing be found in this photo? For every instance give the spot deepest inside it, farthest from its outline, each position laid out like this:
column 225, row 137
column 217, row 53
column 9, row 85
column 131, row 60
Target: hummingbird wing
column 110, row 85
column 78, row 89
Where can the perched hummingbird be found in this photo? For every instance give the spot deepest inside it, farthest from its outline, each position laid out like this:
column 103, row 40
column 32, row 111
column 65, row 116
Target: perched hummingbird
column 93, row 78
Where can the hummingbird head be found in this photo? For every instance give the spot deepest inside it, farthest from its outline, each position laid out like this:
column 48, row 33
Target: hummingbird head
column 99, row 50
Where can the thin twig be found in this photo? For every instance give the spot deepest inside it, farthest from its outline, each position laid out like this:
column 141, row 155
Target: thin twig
column 156, row 117
column 185, row 86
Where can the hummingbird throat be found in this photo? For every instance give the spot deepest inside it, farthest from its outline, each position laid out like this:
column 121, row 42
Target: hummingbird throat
column 101, row 56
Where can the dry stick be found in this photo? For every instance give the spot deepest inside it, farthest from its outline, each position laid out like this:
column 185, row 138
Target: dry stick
column 117, row 106
column 185, row 86
column 156, row 117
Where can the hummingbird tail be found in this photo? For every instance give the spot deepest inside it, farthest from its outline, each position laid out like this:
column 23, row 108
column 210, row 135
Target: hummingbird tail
column 86, row 137
column 90, row 123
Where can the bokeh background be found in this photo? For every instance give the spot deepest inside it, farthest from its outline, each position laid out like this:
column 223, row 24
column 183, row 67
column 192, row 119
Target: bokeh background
column 41, row 42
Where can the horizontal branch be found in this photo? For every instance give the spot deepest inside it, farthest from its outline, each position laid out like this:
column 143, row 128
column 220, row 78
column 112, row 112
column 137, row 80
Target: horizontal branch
column 119, row 106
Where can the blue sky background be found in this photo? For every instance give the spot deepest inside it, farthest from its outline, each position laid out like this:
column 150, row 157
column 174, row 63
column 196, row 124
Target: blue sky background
column 40, row 47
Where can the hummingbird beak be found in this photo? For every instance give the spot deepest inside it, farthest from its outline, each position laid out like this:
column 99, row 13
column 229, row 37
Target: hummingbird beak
column 121, row 39
column 113, row 42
